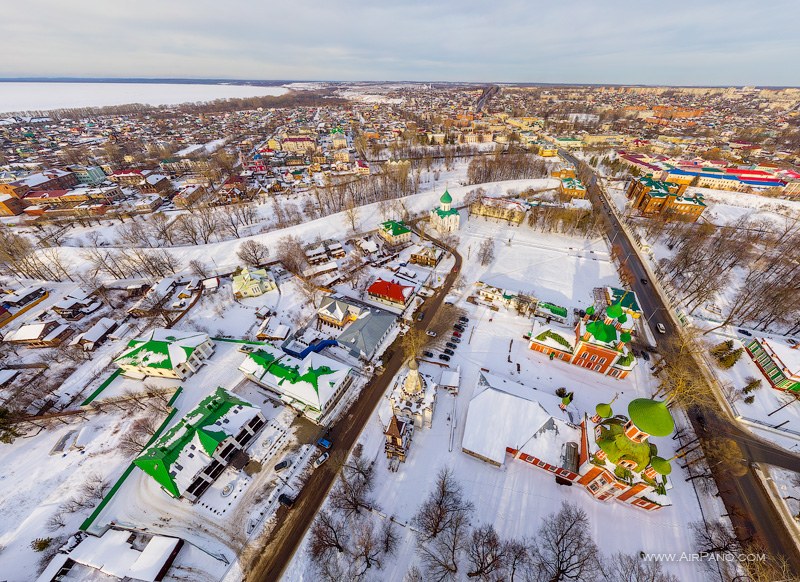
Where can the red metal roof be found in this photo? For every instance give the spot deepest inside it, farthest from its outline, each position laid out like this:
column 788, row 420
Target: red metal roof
column 390, row 290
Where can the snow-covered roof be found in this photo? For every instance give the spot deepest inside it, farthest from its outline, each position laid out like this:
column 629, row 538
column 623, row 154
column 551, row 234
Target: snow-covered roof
column 311, row 381
column 162, row 348
column 113, row 555
column 507, row 414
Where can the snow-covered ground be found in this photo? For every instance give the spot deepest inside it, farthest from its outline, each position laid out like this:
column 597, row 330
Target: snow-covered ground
column 20, row 97
column 516, row 497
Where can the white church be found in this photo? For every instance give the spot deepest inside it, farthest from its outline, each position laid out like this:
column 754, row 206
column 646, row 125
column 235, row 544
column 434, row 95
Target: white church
column 444, row 218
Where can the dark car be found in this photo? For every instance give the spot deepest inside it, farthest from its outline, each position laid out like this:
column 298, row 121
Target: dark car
column 420, row 316
column 449, row 352
column 745, row 332
column 451, row 345
column 456, row 334
column 464, row 319
column 644, row 281
column 444, row 357
column 427, row 354
column 646, row 356
column 283, row 465
column 286, row 500
column 460, row 328
column 455, row 340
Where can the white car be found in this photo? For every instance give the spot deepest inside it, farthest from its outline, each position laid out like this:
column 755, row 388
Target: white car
column 431, row 333
column 660, row 327
column 321, row 459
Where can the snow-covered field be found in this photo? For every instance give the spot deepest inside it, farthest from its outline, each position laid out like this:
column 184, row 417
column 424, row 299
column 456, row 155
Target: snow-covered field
column 516, row 497
column 19, row 97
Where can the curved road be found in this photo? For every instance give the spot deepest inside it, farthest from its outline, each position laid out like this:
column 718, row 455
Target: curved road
column 269, row 564
column 751, row 510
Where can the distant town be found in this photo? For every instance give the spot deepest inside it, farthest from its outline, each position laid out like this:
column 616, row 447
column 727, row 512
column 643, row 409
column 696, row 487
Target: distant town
column 403, row 332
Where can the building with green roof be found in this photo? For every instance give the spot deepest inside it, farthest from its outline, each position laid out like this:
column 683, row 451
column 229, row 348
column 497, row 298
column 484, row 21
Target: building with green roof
column 444, row 217
column 188, row 458
column 311, row 385
column 395, row 232
column 165, row 353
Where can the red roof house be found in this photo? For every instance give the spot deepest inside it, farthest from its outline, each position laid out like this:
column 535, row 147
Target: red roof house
column 390, row 292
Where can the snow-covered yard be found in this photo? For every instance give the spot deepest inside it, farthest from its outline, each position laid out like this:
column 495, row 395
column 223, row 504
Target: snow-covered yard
column 515, row 497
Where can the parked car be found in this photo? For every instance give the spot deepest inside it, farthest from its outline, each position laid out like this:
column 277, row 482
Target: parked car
column 449, row 352
column 460, row 328
column 660, row 327
column 286, row 500
column 321, row 459
column 456, row 334
column 427, row 354
column 646, row 356
column 464, row 319
column 451, row 345
column 285, row 464
column 745, row 332
column 431, row 333
column 444, row 357
column 644, row 281
column 455, row 340
column 420, row 316
column 324, row 443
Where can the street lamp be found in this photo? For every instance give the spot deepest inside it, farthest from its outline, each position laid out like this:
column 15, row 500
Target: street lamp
column 647, row 319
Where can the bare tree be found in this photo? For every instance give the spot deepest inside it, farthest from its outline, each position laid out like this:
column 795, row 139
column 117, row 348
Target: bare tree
column 445, row 504
column 628, row 568
column 327, row 534
column 486, row 252
column 352, row 493
column 252, row 252
column 486, row 553
column 441, row 555
column 290, row 254
column 135, row 439
column 564, row 549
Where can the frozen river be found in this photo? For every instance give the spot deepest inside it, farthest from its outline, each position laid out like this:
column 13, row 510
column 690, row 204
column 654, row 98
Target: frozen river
column 19, row 97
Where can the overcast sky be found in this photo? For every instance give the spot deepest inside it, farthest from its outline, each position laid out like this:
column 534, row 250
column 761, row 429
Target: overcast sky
column 697, row 42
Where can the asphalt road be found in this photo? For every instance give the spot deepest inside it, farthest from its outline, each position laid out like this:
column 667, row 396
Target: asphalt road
column 749, row 506
column 269, row 564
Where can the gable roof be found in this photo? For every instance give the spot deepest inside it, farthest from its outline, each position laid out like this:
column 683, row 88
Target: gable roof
column 194, row 440
column 161, row 348
column 390, row 290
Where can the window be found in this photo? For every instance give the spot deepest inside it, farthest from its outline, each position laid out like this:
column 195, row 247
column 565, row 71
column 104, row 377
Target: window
column 597, row 368
column 602, row 361
column 593, row 359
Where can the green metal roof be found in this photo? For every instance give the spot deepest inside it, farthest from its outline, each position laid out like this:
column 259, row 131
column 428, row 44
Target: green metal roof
column 395, row 227
column 651, row 416
column 617, row 446
column 602, row 331
column 627, row 299
column 553, row 308
column 157, row 459
column 604, row 410
column 150, row 353
column 661, row 466
column 288, row 373
column 446, row 198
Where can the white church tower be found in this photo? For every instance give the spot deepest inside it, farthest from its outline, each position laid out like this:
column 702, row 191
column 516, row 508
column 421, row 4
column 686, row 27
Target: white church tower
column 444, row 218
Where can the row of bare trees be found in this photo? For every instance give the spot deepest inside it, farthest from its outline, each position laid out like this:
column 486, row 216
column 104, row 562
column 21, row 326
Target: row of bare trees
column 515, row 166
column 764, row 259
column 449, row 548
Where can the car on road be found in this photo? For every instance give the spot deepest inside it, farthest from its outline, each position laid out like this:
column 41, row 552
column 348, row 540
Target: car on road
column 455, row 340
column 444, row 357
column 464, row 319
column 451, row 345
column 420, row 316
column 456, row 333
column 324, row 443
column 660, row 327
column 431, row 333
column 286, row 500
column 427, row 354
column 285, row 464
column 448, row 351
column 646, row 356
column 745, row 332
column 644, row 281
column 321, row 459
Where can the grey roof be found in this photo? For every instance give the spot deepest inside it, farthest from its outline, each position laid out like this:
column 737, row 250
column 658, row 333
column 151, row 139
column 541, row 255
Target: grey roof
column 365, row 334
